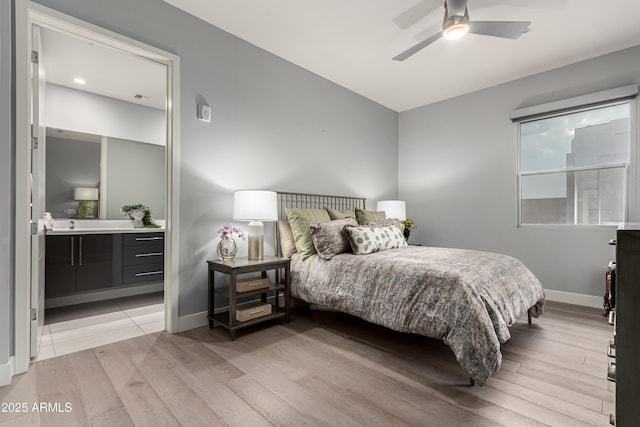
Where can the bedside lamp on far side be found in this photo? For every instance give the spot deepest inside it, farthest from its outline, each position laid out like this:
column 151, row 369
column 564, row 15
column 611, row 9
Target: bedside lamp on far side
column 393, row 209
column 255, row 206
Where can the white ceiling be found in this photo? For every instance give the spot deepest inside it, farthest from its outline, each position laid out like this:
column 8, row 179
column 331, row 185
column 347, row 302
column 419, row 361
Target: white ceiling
column 351, row 42
column 107, row 72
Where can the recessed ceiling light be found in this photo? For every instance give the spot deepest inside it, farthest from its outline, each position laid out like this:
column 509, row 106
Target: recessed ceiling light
column 80, row 81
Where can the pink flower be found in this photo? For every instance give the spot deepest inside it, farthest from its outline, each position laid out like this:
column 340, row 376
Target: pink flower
column 228, row 230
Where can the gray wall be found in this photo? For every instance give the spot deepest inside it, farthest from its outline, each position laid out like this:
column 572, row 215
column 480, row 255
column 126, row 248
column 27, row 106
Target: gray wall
column 275, row 126
column 6, row 185
column 135, row 174
column 458, row 169
column 70, row 164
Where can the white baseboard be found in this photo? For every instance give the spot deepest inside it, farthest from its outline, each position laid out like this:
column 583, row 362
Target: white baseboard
column 103, row 295
column 571, row 298
column 6, row 372
column 192, row 321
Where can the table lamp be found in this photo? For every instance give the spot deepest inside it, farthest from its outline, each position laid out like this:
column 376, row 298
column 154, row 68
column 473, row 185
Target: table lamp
column 393, row 209
column 255, row 206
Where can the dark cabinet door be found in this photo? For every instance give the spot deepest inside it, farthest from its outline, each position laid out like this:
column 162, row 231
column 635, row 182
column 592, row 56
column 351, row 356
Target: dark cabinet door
column 60, row 270
column 627, row 327
column 82, row 263
column 95, row 262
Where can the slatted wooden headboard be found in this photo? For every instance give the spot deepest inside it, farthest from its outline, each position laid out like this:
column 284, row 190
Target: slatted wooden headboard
column 311, row 201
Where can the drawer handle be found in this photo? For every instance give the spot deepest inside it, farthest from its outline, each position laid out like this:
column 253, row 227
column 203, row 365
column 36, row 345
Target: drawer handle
column 150, row 273
column 611, row 372
column 256, row 311
column 149, row 254
column 612, row 317
column 142, row 239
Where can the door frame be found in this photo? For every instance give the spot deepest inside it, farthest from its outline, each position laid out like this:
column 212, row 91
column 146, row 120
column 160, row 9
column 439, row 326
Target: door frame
column 28, row 14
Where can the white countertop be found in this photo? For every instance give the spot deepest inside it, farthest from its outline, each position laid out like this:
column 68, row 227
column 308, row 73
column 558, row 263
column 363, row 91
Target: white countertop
column 629, row 226
column 98, row 226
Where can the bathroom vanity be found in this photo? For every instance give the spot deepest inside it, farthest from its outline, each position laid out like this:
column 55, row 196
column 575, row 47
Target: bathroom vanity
column 101, row 256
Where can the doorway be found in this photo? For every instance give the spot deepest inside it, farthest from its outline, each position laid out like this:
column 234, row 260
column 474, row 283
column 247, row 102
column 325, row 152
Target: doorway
column 27, row 306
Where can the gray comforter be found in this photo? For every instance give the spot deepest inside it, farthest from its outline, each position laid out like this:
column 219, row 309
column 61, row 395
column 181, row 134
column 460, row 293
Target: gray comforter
column 466, row 298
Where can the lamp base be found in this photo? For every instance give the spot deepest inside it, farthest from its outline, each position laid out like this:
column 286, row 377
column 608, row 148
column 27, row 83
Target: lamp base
column 256, row 241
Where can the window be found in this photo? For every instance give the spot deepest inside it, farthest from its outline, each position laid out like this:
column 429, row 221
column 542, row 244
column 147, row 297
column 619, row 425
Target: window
column 573, row 166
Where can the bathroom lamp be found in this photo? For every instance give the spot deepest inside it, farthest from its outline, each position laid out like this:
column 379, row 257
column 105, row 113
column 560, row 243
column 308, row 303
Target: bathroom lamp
column 255, row 206
column 393, row 209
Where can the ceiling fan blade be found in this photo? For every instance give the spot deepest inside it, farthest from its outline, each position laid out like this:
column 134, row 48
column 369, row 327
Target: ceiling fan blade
column 504, row 29
column 417, row 48
column 414, row 14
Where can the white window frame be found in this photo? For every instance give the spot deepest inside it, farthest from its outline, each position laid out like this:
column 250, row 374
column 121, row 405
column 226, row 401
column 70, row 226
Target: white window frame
column 626, row 94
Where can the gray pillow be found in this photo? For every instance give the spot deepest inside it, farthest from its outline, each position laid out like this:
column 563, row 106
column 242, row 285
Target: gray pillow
column 329, row 238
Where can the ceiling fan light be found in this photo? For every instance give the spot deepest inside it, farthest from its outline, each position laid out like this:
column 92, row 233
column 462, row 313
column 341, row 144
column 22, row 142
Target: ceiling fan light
column 455, row 26
column 456, row 31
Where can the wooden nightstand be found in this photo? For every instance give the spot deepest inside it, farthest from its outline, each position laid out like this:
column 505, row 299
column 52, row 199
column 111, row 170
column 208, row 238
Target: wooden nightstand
column 236, row 267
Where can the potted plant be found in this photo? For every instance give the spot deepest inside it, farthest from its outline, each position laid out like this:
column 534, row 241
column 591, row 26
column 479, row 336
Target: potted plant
column 140, row 214
column 407, row 226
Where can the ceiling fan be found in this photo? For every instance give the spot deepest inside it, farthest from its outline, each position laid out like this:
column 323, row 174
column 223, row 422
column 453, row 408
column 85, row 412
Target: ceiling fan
column 456, row 24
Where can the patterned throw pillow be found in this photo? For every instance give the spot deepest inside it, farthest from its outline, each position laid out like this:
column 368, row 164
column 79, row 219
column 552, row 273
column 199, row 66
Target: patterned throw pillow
column 364, row 217
column 329, row 238
column 300, row 220
column 366, row 239
column 388, row 221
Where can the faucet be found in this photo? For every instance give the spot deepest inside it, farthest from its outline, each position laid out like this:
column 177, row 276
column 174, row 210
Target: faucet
column 72, row 224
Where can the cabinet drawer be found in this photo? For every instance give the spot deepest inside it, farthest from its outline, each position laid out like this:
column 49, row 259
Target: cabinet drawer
column 144, row 273
column 253, row 311
column 143, row 254
column 132, row 239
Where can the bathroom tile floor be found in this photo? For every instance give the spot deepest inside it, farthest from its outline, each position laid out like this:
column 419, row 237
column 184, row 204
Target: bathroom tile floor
column 79, row 327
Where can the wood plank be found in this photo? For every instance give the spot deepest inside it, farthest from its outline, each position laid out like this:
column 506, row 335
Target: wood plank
column 96, row 391
column 273, row 408
column 57, row 386
column 183, row 402
column 275, row 379
column 206, row 378
column 23, row 388
column 121, row 362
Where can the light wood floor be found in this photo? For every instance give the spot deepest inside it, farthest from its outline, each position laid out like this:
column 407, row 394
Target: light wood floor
column 324, row 369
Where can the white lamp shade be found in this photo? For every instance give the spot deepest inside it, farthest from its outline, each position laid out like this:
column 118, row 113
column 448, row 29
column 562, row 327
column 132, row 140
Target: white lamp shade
column 255, row 205
column 84, row 193
column 393, row 208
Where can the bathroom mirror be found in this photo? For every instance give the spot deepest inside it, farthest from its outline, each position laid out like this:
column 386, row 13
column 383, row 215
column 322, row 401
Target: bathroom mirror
column 125, row 172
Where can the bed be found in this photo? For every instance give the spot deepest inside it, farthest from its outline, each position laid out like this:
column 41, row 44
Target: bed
column 468, row 299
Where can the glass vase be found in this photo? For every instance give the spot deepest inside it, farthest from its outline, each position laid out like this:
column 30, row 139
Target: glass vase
column 227, row 249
